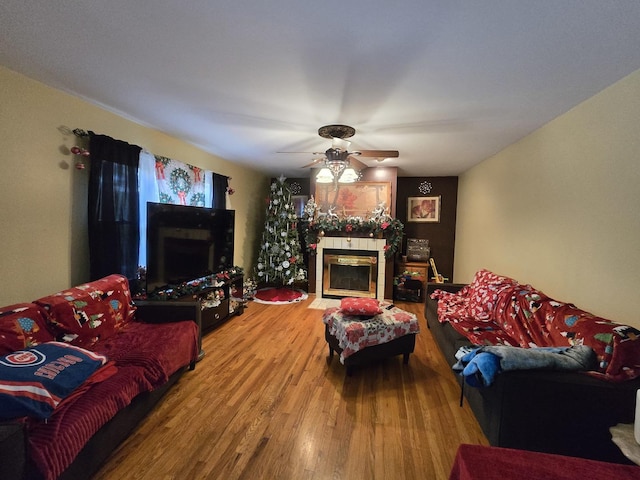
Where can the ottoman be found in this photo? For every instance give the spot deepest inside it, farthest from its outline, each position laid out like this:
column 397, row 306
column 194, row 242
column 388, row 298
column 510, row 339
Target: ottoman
column 360, row 340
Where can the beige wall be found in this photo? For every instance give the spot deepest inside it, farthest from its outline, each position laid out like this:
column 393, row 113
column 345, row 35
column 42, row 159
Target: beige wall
column 560, row 209
column 43, row 237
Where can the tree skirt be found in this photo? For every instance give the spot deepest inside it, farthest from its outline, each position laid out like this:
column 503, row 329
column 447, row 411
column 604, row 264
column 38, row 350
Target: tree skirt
column 279, row 296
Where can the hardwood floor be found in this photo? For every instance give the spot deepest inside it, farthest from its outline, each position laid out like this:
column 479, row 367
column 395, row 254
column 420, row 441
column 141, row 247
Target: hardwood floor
column 265, row 404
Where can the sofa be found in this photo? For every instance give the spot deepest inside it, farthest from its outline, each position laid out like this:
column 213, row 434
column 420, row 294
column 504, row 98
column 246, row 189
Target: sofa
column 93, row 372
column 566, row 412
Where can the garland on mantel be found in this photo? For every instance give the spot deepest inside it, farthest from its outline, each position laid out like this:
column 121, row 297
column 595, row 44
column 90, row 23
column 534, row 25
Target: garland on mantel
column 194, row 287
column 391, row 229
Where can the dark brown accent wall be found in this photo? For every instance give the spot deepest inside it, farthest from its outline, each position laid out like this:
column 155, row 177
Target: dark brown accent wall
column 441, row 235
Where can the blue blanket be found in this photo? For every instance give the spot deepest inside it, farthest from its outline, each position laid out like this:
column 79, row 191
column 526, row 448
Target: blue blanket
column 480, row 365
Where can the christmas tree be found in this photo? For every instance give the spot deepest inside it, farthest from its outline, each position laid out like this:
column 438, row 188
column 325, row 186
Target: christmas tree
column 280, row 259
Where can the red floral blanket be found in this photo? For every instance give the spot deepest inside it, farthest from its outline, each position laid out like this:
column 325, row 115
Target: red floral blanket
column 497, row 310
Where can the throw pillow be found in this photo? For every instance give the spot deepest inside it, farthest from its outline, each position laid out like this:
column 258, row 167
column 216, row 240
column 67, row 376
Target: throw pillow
column 367, row 307
column 34, row 381
column 22, row 325
column 87, row 313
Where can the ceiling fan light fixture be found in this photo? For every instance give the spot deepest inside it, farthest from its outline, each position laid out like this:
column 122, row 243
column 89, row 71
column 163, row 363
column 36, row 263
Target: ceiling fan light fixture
column 336, row 155
column 348, row 176
column 324, row 176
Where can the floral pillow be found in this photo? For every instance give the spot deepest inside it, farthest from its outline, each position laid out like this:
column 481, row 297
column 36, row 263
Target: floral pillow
column 91, row 312
column 22, row 325
column 367, row 307
column 484, row 291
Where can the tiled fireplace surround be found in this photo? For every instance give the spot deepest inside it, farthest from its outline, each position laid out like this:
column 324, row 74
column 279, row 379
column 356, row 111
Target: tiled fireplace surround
column 351, row 243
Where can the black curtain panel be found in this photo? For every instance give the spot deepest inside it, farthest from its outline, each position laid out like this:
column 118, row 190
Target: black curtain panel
column 114, row 236
column 220, row 183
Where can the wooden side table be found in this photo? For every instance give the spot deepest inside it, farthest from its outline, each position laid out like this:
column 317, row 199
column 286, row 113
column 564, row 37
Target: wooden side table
column 418, row 270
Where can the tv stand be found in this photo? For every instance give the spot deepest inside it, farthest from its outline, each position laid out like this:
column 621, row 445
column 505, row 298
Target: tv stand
column 202, row 307
column 231, row 304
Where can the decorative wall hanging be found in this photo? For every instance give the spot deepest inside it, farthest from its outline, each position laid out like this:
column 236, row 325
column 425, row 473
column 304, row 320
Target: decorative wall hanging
column 295, row 188
column 425, row 187
column 179, row 183
column 81, row 155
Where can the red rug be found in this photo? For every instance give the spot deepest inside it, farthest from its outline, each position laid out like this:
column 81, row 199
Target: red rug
column 279, row 296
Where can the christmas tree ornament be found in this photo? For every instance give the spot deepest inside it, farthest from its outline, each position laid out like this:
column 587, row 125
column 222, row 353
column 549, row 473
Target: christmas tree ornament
column 81, row 152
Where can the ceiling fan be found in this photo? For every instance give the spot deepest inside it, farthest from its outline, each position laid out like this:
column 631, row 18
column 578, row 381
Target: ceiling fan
column 338, row 163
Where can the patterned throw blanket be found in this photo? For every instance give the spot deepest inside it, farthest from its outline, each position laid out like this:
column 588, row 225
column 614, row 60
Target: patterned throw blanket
column 497, row 310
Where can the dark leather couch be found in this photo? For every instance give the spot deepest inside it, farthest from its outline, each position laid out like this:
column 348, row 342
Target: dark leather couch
column 566, row 413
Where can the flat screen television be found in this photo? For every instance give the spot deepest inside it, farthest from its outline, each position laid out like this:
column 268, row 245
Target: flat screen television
column 185, row 243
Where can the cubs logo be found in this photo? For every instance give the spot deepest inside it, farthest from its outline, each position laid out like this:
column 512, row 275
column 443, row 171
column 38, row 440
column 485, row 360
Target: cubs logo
column 23, row 358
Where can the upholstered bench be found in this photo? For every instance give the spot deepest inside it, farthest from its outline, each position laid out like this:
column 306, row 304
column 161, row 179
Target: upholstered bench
column 362, row 339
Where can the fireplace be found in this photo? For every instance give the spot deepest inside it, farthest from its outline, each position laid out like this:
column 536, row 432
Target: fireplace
column 349, row 273
column 349, row 269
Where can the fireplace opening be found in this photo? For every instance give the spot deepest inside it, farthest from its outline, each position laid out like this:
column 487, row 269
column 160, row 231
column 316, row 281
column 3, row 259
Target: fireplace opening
column 349, row 273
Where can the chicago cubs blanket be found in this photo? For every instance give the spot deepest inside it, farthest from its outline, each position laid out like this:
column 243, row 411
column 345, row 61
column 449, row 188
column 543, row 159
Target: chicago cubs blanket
column 34, row 381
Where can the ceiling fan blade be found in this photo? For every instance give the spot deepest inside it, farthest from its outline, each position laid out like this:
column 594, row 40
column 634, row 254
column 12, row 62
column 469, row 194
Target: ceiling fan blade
column 315, row 162
column 357, row 164
column 306, row 153
column 380, row 153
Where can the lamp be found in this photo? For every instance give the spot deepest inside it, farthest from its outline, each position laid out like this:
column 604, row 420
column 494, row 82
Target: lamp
column 348, row 176
column 337, row 172
column 324, row 176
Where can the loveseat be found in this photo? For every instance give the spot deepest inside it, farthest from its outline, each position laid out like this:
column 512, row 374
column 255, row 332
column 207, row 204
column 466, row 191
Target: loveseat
column 562, row 412
column 97, row 371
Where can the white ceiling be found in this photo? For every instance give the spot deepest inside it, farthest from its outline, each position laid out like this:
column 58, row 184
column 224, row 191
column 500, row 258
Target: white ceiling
column 447, row 83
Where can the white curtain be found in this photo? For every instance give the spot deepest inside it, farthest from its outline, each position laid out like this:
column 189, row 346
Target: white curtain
column 148, row 192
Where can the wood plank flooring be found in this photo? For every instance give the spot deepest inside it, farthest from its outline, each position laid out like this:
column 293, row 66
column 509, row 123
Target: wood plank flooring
column 264, row 403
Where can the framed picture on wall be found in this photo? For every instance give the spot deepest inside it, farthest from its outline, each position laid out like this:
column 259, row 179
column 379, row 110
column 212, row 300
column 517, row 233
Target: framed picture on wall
column 423, row 209
column 353, row 199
